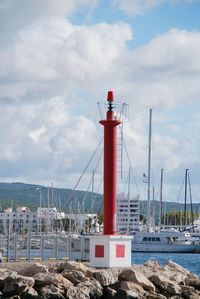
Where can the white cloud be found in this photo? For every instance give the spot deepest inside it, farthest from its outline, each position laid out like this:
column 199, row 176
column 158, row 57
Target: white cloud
column 36, row 134
column 140, row 7
column 52, row 75
column 52, row 52
column 137, row 7
column 165, row 72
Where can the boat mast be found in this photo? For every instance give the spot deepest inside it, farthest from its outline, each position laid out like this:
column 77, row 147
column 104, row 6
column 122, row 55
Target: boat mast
column 129, row 197
column 191, row 206
column 161, row 197
column 185, row 207
column 154, row 207
column 149, row 175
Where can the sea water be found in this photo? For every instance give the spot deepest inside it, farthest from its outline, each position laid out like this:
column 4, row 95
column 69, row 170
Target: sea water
column 190, row 261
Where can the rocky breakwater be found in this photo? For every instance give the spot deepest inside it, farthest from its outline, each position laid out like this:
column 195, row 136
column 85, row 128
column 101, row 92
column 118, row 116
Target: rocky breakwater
column 73, row 280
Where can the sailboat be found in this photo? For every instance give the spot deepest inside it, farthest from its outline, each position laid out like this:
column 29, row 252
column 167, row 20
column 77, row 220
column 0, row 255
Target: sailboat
column 162, row 240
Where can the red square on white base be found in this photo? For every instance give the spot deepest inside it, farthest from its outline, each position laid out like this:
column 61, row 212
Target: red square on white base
column 120, row 250
column 108, row 251
column 99, row 250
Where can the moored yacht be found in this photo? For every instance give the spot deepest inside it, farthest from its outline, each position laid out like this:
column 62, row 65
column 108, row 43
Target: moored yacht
column 169, row 240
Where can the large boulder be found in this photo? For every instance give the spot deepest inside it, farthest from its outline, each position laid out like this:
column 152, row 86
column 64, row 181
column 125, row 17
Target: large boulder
column 78, row 292
column 51, row 292
column 108, row 292
column 187, row 291
column 137, row 277
column 175, row 272
column 125, row 294
column 74, row 276
column 150, row 267
column 58, row 267
column 164, row 284
column 106, row 277
column 154, row 295
column 174, row 267
column 94, row 286
column 33, row 269
column 43, row 279
column 30, row 293
column 85, row 290
column 131, row 286
column 13, row 277
column 72, row 265
column 193, row 282
column 15, row 284
column 4, row 273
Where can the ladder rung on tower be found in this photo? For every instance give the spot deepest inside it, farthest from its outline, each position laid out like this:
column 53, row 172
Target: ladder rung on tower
column 120, row 150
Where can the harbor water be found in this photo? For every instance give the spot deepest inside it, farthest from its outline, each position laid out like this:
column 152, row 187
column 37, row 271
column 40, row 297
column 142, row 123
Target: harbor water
column 55, row 247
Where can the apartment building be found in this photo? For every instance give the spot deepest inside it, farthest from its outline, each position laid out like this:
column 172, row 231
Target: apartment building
column 128, row 214
column 23, row 220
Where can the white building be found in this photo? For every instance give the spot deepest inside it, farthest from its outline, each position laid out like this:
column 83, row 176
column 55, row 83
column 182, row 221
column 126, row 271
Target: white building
column 20, row 221
column 23, row 220
column 128, row 214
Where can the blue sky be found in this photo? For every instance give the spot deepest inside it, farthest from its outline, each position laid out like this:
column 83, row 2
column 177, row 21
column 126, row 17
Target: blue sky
column 159, row 19
column 59, row 58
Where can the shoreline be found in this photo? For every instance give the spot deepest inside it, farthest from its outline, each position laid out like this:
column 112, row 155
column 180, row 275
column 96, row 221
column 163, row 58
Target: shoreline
column 70, row 279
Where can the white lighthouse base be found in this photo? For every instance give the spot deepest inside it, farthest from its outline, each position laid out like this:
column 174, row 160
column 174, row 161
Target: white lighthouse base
column 108, row 251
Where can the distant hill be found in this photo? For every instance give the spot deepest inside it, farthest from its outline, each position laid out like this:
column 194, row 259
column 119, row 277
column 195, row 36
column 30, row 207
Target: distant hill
column 20, row 194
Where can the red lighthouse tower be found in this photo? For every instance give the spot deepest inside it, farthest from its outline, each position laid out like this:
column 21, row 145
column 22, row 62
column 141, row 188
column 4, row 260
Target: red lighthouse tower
column 110, row 149
column 110, row 249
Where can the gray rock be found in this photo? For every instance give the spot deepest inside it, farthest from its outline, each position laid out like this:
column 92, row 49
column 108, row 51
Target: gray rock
column 137, row 277
column 154, row 295
column 43, row 279
column 194, row 296
column 162, row 283
column 174, row 267
column 109, row 292
column 51, row 292
column 151, row 267
column 175, row 272
column 58, row 267
column 106, row 277
column 11, row 290
column 187, row 291
column 85, row 290
column 71, row 265
column 131, row 286
column 78, row 292
column 74, row 276
column 13, row 277
column 15, row 284
column 94, row 287
column 33, row 269
column 193, row 282
column 122, row 294
column 4, row 273
column 30, row 293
